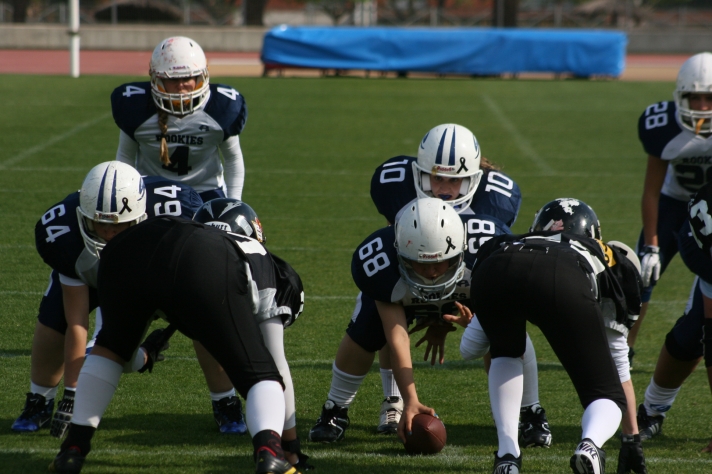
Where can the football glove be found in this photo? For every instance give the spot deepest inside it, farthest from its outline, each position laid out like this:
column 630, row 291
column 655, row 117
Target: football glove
column 63, row 416
column 650, row 265
column 631, row 457
column 154, row 345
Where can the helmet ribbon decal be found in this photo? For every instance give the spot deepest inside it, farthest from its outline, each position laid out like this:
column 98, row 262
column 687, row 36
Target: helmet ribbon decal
column 448, row 240
column 125, row 202
column 451, row 161
column 462, row 165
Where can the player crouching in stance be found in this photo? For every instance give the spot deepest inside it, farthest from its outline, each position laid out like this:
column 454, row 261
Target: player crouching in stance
column 198, row 279
column 408, row 272
column 560, row 273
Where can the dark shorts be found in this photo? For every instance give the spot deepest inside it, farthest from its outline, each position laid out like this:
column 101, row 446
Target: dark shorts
column 212, row 194
column 51, row 312
column 366, row 327
column 552, row 290
column 196, row 277
column 683, row 342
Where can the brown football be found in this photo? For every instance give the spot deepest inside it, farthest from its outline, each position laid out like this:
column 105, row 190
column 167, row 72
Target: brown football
column 428, row 435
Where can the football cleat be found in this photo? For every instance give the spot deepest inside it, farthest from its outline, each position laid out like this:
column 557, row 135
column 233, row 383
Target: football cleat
column 648, row 426
column 68, row 460
column 294, row 446
column 534, row 427
column 63, row 415
column 228, row 415
column 36, row 414
column 269, row 463
column 507, row 464
column 391, row 411
column 588, row 458
column 331, row 425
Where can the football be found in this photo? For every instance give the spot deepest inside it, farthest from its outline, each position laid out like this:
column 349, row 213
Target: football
column 428, row 435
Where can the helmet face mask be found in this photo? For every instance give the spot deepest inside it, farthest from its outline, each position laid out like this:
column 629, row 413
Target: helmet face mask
column 695, row 77
column 430, row 231
column 231, row 215
column 112, row 193
column 567, row 215
column 179, row 57
column 450, row 151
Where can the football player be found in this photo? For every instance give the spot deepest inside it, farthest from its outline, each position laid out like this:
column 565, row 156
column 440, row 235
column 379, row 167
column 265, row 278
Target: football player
column 178, row 124
column 449, row 166
column 281, row 299
column 559, row 279
column 676, row 135
column 200, row 280
column 69, row 238
column 576, row 217
column 690, row 339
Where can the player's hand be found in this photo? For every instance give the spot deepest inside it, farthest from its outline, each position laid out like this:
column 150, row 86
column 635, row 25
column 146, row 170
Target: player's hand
column 154, row 345
column 63, row 416
column 406, row 421
column 435, row 336
column 631, row 457
column 462, row 318
column 708, row 448
column 650, row 265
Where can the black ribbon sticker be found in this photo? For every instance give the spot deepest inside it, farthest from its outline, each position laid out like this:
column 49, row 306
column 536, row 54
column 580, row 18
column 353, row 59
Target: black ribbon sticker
column 125, row 202
column 462, row 165
column 449, row 245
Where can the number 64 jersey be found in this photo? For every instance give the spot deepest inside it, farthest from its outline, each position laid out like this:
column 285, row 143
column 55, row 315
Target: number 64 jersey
column 59, row 240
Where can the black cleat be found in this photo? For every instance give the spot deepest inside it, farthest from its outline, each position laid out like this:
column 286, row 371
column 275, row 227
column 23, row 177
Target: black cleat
column 36, row 414
column 269, row 463
column 648, row 426
column 534, row 427
column 331, row 425
column 507, row 464
column 228, row 415
column 69, row 460
column 588, row 458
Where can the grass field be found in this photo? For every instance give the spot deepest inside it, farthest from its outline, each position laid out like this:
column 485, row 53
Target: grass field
column 310, row 148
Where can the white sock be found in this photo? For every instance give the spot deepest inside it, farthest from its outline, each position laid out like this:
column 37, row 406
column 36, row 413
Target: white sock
column 659, row 400
column 264, row 407
column 273, row 335
column 530, row 395
column 139, row 360
column 343, row 386
column 388, row 381
column 97, row 383
column 47, row 392
column 505, row 391
column 600, row 421
column 215, row 396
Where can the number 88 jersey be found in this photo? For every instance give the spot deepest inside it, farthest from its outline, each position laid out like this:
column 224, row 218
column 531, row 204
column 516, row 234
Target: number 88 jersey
column 59, row 241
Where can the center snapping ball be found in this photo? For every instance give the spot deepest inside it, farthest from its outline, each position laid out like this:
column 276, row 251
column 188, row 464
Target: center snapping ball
column 428, row 435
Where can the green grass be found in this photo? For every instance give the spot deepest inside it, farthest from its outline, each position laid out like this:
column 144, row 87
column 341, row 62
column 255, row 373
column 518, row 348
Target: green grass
column 310, row 148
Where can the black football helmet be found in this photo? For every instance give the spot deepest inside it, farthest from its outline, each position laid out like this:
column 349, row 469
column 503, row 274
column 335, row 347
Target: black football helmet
column 567, row 215
column 701, row 218
column 231, row 215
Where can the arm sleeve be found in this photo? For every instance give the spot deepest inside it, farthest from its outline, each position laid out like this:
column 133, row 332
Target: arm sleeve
column 234, row 166
column 127, row 150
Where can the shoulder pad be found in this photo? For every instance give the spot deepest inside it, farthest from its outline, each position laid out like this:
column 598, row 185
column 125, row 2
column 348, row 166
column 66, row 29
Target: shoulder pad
column 57, row 237
column 131, row 105
column 498, row 196
column 374, row 265
column 228, row 108
column 392, row 186
column 479, row 229
column 166, row 197
column 657, row 126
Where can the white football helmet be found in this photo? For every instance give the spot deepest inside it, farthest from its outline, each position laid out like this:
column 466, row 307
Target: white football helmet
column 449, row 150
column 173, row 58
column 112, row 193
column 430, row 231
column 695, row 76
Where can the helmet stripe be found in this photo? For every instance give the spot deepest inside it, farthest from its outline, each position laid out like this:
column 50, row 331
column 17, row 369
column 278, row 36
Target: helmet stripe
column 451, row 161
column 100, row 197
column 439, row 154
column 113, row 193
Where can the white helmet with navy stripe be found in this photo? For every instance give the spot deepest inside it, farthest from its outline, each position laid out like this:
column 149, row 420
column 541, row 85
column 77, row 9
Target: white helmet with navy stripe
column 112, row 193
column 451, row 151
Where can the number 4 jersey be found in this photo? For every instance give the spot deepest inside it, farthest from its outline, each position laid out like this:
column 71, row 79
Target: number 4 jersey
column 193, row 139
column 59, row 240
column 689, row 155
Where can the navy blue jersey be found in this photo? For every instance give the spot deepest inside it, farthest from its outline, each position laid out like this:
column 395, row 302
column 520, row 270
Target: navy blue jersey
column 393, row 186
column 657, row 126
column 59, row 240
column 479, row 229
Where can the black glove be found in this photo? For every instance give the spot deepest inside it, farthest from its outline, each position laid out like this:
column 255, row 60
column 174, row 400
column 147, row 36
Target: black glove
column 63, row 416
column 154, row 345
column 631, row 457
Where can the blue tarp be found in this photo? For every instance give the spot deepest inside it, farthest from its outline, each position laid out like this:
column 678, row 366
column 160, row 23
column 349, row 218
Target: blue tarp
column 478, row 51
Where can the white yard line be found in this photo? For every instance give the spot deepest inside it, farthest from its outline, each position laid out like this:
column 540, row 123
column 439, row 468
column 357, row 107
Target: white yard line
column 519, row 139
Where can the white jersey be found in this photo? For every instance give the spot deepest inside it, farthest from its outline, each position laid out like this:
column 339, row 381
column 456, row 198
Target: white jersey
column 689, row 155
column 193, row 140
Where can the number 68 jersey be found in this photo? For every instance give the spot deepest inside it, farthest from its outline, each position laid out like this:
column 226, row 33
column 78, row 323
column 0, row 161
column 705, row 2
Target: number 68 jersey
column 59, row 240
column 374, row 268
